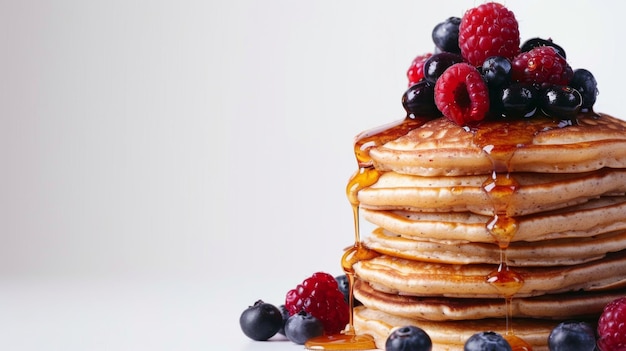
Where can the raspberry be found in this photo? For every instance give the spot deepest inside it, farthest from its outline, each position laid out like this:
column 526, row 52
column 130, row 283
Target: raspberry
column 415, row 72
column 320, row 296
column 541, row 65
column 462, row 95
column 612, row 326
column 488, row 30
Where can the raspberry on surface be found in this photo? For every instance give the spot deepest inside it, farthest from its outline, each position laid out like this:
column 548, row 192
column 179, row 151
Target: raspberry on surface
column 320, row 296
column 462, row 95
column 415, row 73
column 488, row 30
column 612, row 326
column 541, row 65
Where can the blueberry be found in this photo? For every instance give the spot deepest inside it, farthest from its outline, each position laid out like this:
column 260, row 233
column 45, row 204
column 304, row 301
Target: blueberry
column 438, row 63
column 261, row 321
column 586, row 84
column 519, row 100
column 419, row 100
column 302, row 326
column 536, row 42
column 496, row 71
column 572, row 336
column 561, row 102
column 446, row 35
column 487, row 341
column 408, row 338
column 285, row 314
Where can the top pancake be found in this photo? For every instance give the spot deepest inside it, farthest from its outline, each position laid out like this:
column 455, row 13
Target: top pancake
column 442, row 148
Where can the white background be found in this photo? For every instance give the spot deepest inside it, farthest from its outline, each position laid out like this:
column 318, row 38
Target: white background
column 164, row 164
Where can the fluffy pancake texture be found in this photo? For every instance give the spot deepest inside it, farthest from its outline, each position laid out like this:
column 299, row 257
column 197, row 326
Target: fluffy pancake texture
column 453, row 207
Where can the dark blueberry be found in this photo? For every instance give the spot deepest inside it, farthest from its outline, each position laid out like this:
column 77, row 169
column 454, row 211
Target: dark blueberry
column 572, row 336
column 487, row 341
column 285, row 314
column 419, row 100
column 446, row 35
column 438, row 63
column 586, row 84
column 302, row 326
column 344, row 286
column 408, row 338
column 261, row 321
column 560, row 102
column 496, row 71
column 519, row 100
column 536, row 42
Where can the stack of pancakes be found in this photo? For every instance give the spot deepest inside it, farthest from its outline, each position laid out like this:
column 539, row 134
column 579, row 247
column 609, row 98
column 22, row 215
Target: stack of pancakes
column 511, row 226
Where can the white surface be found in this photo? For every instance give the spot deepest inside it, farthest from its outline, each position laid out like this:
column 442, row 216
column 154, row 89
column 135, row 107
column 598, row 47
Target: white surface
column 164, row 164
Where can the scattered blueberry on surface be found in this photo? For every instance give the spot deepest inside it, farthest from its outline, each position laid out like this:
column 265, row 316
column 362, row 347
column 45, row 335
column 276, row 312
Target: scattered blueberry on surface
column 408, row 338
column 285, row 314
column 261, row 321
column 302, row 326
column 572, row 336
column 487, row 341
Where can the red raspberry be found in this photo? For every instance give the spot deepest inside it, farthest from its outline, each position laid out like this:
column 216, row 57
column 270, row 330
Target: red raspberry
column 320, row 296
column 488, row 30
column 461, row 94
column 612, row 326
column 415, row 72
column 541, row 65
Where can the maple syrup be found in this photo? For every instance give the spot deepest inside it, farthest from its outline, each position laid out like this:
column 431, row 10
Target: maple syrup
column 365, row 176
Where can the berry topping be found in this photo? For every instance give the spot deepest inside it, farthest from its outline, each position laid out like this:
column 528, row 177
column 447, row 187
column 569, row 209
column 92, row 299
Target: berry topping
column 586, row 84
column 560, row 101
column 612, row 326
column 537, row 42
column 320, row 296
column 572, row 336
column 496, row 71
column 261, row 321
column 408, row 338
column 438, row 63
column 541, row 65
column 415, row 72
column 462, row 95
column 488, row 30
column 519, row 100
column 419, row 100
column 446, row 35
column 487, row 341
column 285, row 314
column 302, row 326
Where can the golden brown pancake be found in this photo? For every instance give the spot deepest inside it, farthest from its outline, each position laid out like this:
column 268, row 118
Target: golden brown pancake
column 558, row 252
column 535, row 192
column 451, row 335
column 442, row 148
column 589, row 219
column 409, row 277
column 571, row 305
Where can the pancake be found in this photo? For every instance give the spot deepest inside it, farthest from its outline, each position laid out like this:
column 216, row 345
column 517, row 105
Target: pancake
column 559, row 252
column 571, row 305
column 409, row 277
column 442, row 148
column 450, row 335
column 534, row 192
column 591, row 218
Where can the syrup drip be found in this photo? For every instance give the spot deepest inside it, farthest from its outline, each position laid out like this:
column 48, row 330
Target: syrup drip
column 365, row 176
column 499, row 142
